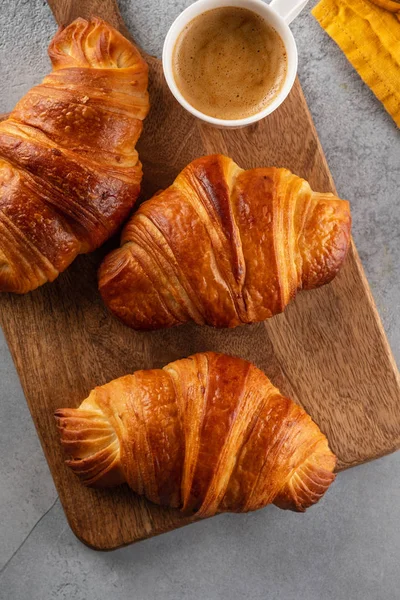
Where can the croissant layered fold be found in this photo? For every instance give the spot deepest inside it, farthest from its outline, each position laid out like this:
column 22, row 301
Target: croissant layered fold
column 206, row 434
column 69, row 171
column 223, row 246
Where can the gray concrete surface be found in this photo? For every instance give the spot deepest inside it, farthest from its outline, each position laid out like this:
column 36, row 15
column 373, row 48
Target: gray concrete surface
column 347, row 547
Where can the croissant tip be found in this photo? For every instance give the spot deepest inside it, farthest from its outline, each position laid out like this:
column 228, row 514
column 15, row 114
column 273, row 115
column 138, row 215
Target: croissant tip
column 62, row 413
column 82, row 20
column 95, row 43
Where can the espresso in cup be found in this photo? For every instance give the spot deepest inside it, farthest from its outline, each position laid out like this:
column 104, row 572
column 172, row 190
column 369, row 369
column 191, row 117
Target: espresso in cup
column 229, row 63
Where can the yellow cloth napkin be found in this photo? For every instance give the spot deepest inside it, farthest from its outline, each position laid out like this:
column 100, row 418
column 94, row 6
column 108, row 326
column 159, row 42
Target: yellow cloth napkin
column 368, row 32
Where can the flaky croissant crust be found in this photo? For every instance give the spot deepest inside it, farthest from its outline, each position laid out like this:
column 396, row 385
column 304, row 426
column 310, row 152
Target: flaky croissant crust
column 206, row 434
column 223, row 246
column 69, row 171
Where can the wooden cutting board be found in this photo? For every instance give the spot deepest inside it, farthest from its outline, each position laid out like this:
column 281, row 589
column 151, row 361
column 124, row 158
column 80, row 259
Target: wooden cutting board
column 328, row 351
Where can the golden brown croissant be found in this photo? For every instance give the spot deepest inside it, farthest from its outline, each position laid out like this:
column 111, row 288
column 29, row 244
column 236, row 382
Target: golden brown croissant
column 223, row 246
column 207, row 434
column 69, row 171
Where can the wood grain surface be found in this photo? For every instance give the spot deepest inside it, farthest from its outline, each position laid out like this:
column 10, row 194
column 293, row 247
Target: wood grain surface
column 328, row 351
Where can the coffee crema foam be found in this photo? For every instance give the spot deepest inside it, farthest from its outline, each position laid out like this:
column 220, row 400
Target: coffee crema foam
column 229, row 63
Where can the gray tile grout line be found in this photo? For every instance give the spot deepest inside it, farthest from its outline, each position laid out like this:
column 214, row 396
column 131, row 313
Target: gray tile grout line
column 3, row 568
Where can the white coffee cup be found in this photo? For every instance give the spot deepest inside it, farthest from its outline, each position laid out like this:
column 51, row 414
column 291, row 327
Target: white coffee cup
column 278, row 14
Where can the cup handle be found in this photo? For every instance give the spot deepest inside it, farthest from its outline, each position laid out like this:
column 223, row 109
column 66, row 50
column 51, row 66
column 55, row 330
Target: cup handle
column 288, row 9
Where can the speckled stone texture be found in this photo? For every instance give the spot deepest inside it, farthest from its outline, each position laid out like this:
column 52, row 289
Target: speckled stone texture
column 347, row 547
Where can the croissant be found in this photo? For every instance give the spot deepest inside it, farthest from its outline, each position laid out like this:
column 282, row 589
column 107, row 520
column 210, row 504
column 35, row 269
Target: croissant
column 69, row 171
column 223, row 246
column 205, row 434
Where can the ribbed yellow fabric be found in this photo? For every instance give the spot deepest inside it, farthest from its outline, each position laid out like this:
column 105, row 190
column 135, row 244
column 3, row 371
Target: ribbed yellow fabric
column 368, row 32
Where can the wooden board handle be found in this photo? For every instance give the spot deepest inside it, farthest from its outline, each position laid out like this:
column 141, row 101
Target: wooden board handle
column 66, row 11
